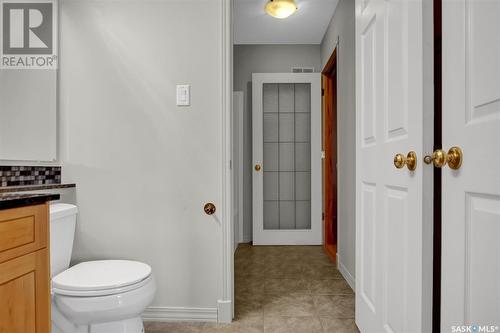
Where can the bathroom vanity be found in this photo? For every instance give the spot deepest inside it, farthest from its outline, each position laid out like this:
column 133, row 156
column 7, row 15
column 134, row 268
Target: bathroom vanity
column 24, row 263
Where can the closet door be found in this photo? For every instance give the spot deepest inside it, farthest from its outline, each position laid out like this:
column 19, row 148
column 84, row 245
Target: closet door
column 393, row 260
column 471, row 191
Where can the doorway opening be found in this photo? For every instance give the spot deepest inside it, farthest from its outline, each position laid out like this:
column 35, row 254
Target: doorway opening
column 285, row 263
column 281, row 268
column 329, row 81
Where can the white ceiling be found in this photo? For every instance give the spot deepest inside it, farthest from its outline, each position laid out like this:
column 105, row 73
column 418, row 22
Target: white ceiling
column 307, row 26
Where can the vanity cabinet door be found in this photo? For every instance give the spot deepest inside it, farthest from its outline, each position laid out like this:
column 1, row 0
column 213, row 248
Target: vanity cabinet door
column 23, row 230
column 24, row 294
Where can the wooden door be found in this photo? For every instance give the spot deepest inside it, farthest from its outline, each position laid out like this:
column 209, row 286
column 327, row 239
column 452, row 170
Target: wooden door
column 392, row 283
column 25, row 294
column 330, row 156
column 24, row 270
column 471, row 195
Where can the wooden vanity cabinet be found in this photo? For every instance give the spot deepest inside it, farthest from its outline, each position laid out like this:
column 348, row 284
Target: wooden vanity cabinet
column 25, row 270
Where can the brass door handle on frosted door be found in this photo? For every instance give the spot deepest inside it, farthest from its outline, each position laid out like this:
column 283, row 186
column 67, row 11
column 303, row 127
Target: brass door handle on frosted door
column 440, row 158
column 257, row 167
column 209, row 208
column 409, row 160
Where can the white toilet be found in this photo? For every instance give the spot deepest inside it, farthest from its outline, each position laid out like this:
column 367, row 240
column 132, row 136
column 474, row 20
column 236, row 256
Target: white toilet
column 104, row 296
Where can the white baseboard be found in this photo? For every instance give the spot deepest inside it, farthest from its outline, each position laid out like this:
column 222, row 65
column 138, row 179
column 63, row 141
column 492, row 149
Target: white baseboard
column 345, row 273
column 160, row 313
column 225, row 311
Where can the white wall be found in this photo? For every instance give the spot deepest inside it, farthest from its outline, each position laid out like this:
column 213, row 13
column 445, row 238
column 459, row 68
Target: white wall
column 250, row 59
column 144, row 168
column 342, row 28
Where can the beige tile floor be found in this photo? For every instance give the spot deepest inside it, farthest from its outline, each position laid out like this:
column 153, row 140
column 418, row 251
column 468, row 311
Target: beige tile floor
column 282, row 289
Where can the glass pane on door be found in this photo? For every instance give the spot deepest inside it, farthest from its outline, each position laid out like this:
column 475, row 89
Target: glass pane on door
column 287, row 156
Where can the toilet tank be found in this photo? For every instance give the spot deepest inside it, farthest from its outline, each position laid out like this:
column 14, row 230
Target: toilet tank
column 62, row 232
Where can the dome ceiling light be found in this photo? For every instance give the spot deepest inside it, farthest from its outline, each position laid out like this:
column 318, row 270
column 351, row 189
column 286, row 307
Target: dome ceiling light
column 281, row 8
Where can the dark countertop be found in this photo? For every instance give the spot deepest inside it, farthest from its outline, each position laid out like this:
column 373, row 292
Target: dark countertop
column 10, row 189
column 14, row 200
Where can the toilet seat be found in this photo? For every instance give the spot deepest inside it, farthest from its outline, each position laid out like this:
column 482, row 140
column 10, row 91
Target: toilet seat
column 101, row 278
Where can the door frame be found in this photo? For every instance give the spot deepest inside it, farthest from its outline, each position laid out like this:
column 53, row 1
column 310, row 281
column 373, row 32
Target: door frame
column 237, row 164
column 330, row 157
column 225, row 302
column 288, row 237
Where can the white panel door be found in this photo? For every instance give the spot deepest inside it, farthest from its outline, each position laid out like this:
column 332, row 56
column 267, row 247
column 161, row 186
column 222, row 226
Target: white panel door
column 471, row 195
column 391, row 279
column 287, row 159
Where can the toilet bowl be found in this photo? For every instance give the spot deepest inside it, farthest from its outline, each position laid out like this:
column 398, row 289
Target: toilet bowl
column 103, row 296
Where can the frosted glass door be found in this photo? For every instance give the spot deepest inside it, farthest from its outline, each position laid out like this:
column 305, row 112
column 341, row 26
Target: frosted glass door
column 287, row 155
column 287, row 158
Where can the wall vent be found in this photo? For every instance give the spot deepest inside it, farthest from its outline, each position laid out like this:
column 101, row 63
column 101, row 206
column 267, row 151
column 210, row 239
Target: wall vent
column 302, row 69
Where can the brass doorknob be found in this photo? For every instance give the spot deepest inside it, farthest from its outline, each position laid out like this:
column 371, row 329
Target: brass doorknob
column 399, row 161
column 409, row 160
column 209, row 208
column 440, row 158
column 257, row 167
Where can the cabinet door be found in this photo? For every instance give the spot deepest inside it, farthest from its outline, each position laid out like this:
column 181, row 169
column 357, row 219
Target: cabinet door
column 23, row 230
column 24, row 291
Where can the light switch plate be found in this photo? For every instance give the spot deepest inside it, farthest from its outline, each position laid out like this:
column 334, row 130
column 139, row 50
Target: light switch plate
column 183, row 95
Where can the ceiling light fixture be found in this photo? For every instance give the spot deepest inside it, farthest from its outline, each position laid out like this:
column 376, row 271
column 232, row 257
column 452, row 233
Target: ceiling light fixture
column 280, row 8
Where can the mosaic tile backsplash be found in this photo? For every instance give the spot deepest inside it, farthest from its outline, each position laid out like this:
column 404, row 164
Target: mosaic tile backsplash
column 29, row 175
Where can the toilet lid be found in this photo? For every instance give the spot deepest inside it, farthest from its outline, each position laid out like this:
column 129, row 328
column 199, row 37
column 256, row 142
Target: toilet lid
column 101, row 275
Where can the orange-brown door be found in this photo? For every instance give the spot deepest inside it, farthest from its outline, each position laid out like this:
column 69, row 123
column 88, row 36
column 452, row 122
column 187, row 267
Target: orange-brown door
column 330, row 161
column 24, row 270
column 24, row 293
